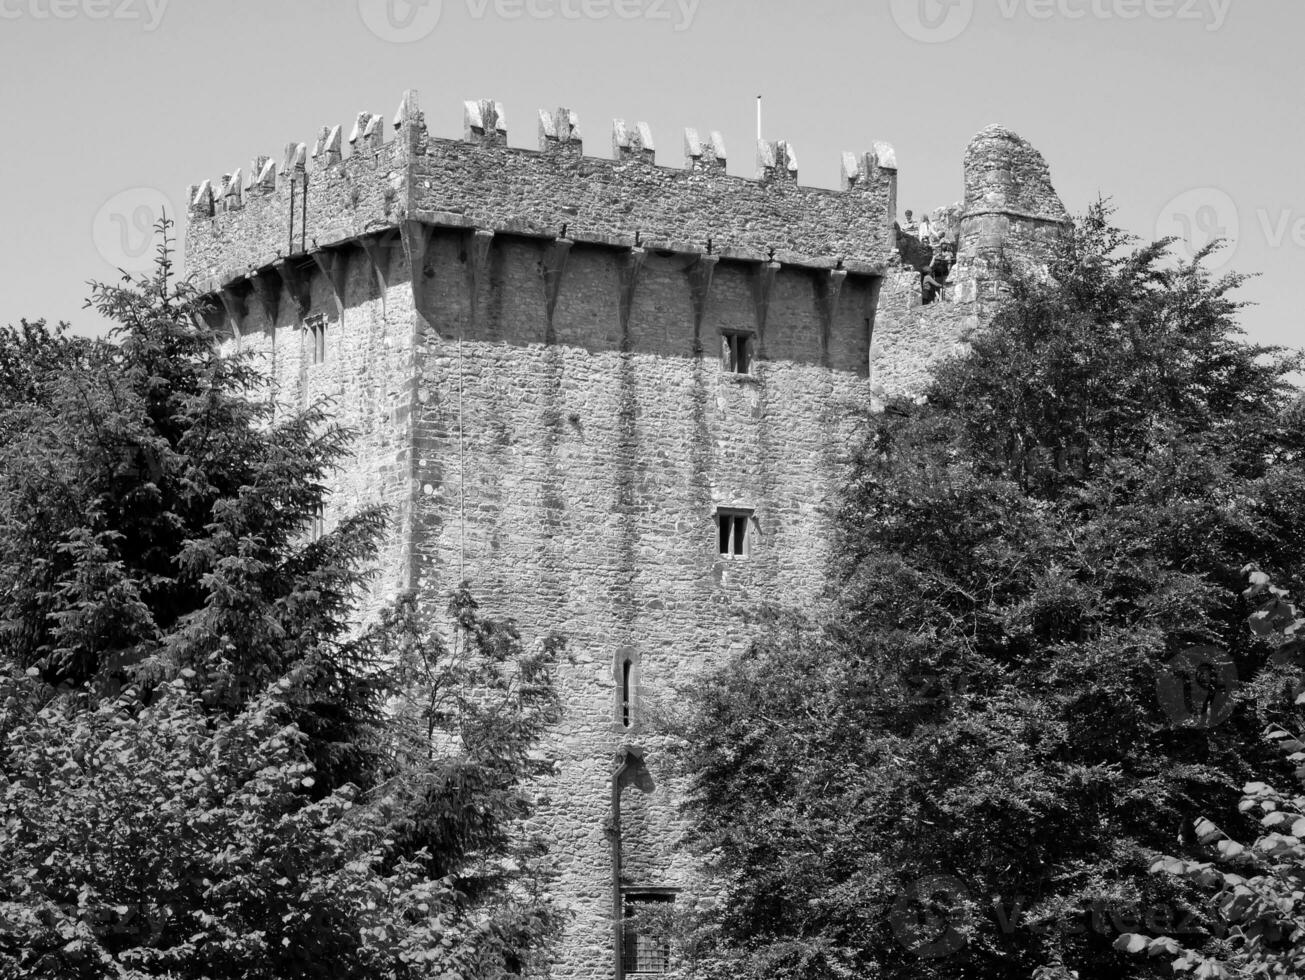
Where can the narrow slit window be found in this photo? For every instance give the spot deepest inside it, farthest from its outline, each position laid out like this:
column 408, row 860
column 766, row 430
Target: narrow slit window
column 734, row 532
column 627, row 691
column 736, row 352
column 317, row 337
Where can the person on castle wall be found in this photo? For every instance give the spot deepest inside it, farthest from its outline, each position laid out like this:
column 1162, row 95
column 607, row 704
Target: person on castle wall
column 941, row 263
column 930, row 288
column 909, row 226
column 933, row 281
column 926, row 231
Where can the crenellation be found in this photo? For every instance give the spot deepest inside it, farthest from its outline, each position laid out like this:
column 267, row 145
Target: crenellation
column 265, row 171
column 233, row 191
column 559, row 132
column 560, row 366
column 368, row 133
column 484, row 123
column 633, row 144
column 410, row 122
column 776, row 161
column 604, row 200
column 201, row 200
column 328, row 150
column 709, row 156
column 860, row 172
column 295, row 161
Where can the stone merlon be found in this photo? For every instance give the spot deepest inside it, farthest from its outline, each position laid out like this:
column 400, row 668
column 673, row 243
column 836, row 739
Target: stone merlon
column 344, row 190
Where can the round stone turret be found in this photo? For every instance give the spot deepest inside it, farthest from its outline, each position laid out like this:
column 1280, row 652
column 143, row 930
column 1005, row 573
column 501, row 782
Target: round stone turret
column 1010, row 203
column 1003, row 172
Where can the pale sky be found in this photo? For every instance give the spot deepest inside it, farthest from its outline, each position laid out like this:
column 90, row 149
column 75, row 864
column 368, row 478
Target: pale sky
column 1184, row 111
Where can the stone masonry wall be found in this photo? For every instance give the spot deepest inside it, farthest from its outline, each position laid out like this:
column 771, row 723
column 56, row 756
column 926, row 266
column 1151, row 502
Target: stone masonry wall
column 1010, row 218
column 528, row 346
column 317, row 198
column 364, row 378
column 591, row 469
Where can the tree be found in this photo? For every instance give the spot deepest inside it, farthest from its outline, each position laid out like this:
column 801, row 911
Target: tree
column 1021, row 691
column 207, row 766
column 1257, row 888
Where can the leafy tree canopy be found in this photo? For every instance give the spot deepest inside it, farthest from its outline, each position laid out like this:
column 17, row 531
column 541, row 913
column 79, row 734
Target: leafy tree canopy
column 207, row 767
column 1027, row 682
column 1256, row 887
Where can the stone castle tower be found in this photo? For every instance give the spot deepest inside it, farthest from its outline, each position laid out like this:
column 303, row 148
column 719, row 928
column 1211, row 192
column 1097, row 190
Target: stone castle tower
column 615, row 396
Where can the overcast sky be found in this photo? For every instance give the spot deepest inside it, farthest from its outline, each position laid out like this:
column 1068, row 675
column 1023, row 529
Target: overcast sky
column 1185, row 112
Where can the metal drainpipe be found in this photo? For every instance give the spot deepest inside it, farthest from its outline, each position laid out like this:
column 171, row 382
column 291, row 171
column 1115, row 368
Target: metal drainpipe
column 618, row 909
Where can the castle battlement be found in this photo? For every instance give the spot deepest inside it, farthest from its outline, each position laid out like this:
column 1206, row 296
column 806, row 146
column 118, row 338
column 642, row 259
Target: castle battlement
column 319, row 196
column 615, row 396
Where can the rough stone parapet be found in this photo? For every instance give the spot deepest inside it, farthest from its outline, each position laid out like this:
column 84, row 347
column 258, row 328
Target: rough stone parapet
column 709, row 155
column 776, row 160
column 559, row 132
column 368, row 133
column 325, row 195
column 526, row 343
column 633, row 143
column 484, row 122
column 1010, row 217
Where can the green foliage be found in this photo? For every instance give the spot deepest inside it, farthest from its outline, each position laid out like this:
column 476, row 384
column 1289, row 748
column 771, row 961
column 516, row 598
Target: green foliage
column 153, row 506
column 1258, row 887
column 966, row 767
column 207, row 767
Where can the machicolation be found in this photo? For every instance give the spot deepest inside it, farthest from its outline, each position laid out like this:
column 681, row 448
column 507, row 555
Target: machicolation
column 615, row 396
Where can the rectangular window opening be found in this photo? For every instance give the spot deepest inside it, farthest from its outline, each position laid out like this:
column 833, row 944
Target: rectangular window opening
column 645, row 942
column 317, row 334
column 736, row 352
column 734, row 532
